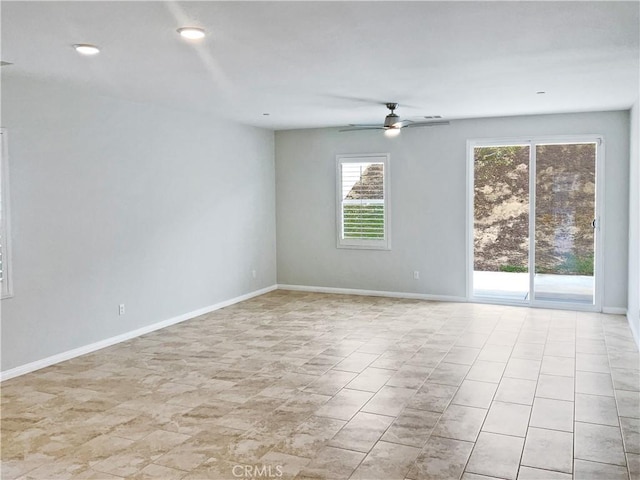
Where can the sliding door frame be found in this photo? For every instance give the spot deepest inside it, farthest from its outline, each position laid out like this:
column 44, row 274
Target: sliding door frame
column 532, row 142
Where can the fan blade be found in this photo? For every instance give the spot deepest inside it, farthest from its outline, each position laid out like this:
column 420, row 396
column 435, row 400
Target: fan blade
column 361, row 127
column 427, row 124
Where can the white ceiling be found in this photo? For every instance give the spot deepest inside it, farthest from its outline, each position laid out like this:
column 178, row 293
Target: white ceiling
column 316, row 64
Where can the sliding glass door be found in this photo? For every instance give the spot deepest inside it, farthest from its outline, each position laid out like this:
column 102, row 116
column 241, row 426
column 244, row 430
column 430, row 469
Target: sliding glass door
column 565, row 222
column 534, row 222
column 501, row 222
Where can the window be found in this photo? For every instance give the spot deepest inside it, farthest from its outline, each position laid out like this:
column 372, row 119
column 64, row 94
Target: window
column 5, row 237
column 363, row 208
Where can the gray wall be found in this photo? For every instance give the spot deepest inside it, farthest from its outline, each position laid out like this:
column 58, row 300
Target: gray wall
column 633, row 313
column 428, row 203
column 116, row 202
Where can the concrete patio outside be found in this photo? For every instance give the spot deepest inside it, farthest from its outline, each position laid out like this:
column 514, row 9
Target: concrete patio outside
column 548, row 287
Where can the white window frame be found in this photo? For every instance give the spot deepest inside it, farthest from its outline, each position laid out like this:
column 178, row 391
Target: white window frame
column 363, row 243
column 5, row 217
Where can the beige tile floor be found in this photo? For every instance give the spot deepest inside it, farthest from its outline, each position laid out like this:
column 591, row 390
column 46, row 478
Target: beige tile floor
column 308, row 386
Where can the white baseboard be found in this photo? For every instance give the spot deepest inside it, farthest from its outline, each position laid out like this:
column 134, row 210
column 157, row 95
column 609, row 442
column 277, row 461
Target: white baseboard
column 76, row 352
column 614, row 310
column 416, row 296
column 372, row 293
column 634, row 323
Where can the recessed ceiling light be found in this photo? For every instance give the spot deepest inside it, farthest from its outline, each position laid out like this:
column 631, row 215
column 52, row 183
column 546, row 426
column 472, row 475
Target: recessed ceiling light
column 86, row 49
column 192, row 33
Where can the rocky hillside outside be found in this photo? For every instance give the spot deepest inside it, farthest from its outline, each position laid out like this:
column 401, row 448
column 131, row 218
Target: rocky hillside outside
column 565, row 204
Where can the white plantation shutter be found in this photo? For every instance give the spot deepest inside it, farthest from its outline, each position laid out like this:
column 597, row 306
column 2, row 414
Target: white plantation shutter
column 362, row 201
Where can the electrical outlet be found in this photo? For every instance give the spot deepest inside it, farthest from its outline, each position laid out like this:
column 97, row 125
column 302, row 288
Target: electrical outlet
column 253, row 272
column 416, row 275
column 121, row 309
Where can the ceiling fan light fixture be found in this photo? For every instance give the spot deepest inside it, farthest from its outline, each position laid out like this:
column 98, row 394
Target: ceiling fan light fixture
column 86, row 49
column 392, row 132
column 191, row 33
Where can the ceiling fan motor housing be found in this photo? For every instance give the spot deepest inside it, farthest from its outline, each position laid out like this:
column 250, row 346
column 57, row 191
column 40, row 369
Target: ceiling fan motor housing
column 391, row 120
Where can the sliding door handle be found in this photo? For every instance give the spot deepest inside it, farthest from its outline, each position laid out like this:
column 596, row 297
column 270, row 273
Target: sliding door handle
column 593, row 224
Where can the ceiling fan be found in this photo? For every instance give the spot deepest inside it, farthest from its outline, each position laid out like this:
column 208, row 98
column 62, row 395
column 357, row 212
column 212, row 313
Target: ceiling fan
column 393, row 124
